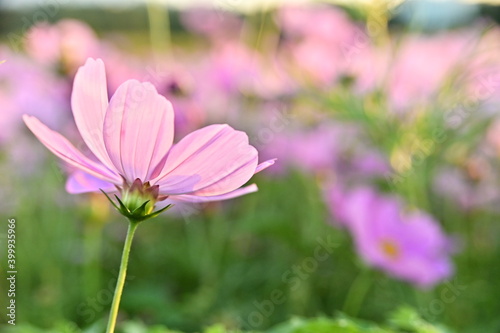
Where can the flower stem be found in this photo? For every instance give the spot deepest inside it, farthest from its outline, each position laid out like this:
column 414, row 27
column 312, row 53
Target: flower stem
column 121, row 277
column 357, row 293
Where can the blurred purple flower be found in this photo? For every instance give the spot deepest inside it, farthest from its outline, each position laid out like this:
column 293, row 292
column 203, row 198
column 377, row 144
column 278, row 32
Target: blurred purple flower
column 370, row 162
column 407, row 245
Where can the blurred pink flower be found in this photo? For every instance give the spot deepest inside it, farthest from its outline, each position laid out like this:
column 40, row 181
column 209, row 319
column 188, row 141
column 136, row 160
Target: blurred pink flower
column 68, row 42
column 319, row 61
column 409, row 246
column 311, row 151
column 467, row 188
column 369, row 162
column 215, row 24
column 422, row 65
column 493, row 135
column 232, row 71
column 272, row 80
column 26, row 87
column 483, row 65
column 176, row 83
column 131, row 137
column 121, row 67
column 231, row 67
column 368, row 65
column 324, row 22
column 323, row 149
column 222, row 78
column 318, row 39
column 480, row 80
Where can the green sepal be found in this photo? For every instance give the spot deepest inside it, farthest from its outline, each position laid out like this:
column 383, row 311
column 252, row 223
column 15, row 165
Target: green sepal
column 138, row 214
column 158, row 212
column 112, row 202
column 140, row 211
column 123, row 209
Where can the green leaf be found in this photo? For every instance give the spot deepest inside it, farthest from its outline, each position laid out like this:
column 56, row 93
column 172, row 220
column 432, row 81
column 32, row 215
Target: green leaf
column 408, row 319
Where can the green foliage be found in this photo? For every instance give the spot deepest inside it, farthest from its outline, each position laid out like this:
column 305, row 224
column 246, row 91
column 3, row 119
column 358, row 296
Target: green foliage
column 408, row 319
column 213, row 265
column 403, row 320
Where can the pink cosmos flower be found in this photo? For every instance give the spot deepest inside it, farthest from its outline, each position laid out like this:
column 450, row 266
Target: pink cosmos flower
column 408, row 246
column 131, row 138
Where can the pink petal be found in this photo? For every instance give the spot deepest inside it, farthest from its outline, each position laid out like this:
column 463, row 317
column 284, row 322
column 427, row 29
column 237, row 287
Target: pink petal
column 265, row 165
column 138, row 130
column 210, row 161
column 63, row 149
column 199, row 199
column 81, row 182
column 89, row 102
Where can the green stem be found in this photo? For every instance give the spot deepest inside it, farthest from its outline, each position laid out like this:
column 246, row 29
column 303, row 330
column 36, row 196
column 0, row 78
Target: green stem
column 159, row 29
column 357, row 292
column 121, row 277
column 92, row 241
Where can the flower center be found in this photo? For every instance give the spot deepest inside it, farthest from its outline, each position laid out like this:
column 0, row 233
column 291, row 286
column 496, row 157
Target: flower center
column 390, row 249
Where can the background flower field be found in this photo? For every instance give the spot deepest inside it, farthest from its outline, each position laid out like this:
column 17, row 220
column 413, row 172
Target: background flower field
column 380, row 214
